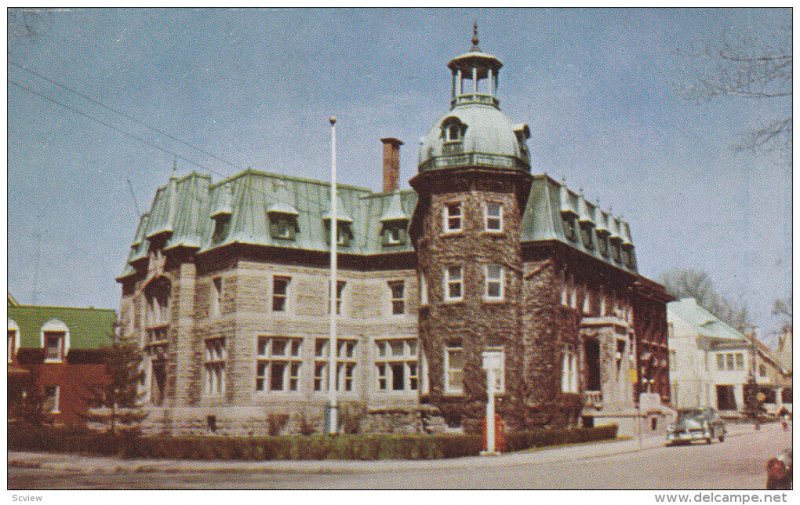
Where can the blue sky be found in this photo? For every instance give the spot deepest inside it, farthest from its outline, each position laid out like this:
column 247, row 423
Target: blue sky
column 599, row 89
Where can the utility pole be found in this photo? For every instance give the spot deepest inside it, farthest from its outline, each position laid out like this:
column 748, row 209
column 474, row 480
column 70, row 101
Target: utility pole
column 332, row 411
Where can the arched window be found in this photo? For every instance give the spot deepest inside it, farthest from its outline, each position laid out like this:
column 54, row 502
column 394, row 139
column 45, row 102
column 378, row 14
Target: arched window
column 55, row 340
column 453, row 129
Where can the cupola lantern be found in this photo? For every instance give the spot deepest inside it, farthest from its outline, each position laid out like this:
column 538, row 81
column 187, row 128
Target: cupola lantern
column 475, row 76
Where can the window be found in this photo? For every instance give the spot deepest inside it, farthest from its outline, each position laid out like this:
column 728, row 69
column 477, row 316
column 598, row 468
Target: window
column 397, row 364
column 344, row 233
column 215, row 366
column 762, row 370
column 222, row 225
column 423, row 290
column 345, row 364
column 602, row 303
column 454, row 370
column 586, row 235
column 573, row 293
column 52, row 395
column 280, row 293
column 453, row 129
column 158, row 381
column 494, row 282
column 394, row 233
column 739, row 357
column 283, row 226
column 453, row 284
column 12, row 344
column 278, row 364
column 730, row 361
column 569, row 226
column 569, row 370
column 340, row 285
column 452, row 217
column 216, row 296
column 54, row 342
column 602, row 245
column 627, row 256
column 720, row 362
column 564, row 290
column 615, row 251
column 587, row 300
column 157, row 297
column 494, row 217
column 398, row 297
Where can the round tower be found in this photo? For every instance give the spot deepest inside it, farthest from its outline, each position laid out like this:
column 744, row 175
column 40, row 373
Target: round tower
column 473, row 182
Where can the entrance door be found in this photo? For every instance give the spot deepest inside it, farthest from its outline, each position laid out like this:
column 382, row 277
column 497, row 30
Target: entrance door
column 725, row 398
column 592, row 357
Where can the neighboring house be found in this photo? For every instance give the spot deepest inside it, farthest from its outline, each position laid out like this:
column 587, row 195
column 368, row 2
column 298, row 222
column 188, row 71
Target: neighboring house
column 53, row 349
column 711, row 362
column 226, row 288
column 783, row 352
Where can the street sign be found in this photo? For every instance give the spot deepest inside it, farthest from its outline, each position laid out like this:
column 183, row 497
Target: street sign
column 492, row 360
column 632, row 375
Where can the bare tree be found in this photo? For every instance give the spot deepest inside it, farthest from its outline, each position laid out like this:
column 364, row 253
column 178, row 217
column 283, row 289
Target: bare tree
column 697, row 284
column 783, row 307
column 744, row 66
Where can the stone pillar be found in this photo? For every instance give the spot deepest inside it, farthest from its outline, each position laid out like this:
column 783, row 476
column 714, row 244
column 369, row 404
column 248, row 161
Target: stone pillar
column 187, row 380
column 490, row 82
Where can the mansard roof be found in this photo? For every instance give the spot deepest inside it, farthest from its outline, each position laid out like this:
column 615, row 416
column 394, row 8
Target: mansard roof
column 549, row 201
column 182, row 212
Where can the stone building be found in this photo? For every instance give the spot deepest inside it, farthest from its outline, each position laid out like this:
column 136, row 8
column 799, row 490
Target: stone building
column 226, row 289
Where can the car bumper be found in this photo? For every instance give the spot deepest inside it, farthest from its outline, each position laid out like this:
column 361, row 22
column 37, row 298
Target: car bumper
column 688, row 436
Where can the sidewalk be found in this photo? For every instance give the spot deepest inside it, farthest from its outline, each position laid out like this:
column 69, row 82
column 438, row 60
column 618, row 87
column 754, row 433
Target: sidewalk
column 93, row 465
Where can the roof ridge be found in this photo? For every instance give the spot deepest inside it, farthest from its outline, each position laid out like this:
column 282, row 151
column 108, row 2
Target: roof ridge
column 29, row 306
column 252, row 171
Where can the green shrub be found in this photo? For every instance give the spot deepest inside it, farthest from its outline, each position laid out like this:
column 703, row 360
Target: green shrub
column 294, row 447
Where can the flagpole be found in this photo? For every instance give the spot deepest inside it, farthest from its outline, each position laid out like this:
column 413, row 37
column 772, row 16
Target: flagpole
column 332, row 407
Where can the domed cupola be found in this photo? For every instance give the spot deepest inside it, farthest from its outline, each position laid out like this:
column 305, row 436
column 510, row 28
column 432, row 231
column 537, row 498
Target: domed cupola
column 475, row 133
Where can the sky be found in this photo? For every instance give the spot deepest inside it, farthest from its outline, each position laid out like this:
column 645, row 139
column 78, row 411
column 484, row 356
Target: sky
column 218, row 91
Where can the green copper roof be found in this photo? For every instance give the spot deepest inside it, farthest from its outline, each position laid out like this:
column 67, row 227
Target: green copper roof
column 550, row 202
column 88, row 328
column 706, row 323
column 182, row 211
column 489, row 139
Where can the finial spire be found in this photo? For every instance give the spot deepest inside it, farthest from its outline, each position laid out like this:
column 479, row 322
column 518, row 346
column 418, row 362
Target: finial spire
column 475, row 36
column 174, row 168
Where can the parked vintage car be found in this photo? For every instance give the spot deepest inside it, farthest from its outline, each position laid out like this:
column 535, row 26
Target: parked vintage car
column 779, row 471
column 700, row 423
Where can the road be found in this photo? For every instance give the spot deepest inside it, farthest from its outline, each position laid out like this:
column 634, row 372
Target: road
column 738, row 463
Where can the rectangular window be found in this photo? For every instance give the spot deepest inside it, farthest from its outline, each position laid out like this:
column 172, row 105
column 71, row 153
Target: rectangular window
column 573, row 293
column 278, row 364
column 398, row 297
column 280, row 293
column 729, row 361
column 345, row 364
column 52, row 395
column 762, row 370
column 739, row 361
column 340, row 285
column 216, row 296
column 494, row 217
column 215, row 366
column 54, row 342
column 720, row 362
column 12, row 344
column 423, row 290
column 587, row 300
column 453, row 288
column 454, row 370
column 452, row 217
column 397, row 365
column 494, row 282
column 569, row 370
column 158, row 382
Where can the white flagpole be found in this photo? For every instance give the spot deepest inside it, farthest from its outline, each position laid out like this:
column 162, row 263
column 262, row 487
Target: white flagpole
column 333, row 410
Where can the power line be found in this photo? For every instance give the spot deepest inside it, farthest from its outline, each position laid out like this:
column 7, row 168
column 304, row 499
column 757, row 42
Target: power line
column 123, row 114
column 81, row 113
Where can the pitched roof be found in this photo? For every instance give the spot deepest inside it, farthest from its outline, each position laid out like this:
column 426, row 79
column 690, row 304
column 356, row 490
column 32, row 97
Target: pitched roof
column 89, row 328
column 706, row 323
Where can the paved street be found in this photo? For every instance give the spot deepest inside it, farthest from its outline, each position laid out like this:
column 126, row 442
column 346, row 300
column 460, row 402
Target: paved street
column 738, row 463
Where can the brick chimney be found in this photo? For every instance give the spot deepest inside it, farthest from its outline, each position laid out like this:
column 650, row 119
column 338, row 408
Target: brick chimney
column 391, row 163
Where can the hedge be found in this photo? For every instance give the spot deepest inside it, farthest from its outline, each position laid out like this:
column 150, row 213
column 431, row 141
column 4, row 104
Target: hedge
column 292, row 447
column 521, row 440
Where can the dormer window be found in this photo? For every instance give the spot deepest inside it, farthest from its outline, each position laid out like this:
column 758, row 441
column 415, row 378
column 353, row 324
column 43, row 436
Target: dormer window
column 569, row 226
column 55, row 340
column 394, row 233
column 602, row 245
column 282, row 226
column 344, row 233
column 586, row 234
column 222, row 225
column 453, row 130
